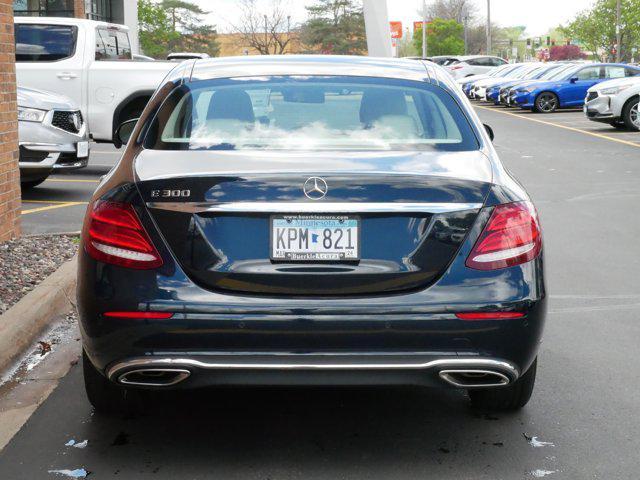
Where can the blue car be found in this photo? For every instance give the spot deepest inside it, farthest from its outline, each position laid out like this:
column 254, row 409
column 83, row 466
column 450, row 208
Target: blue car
column 493, row 92
column 571, row 88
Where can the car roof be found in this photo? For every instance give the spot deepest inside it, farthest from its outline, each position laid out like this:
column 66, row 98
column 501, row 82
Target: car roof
column 69, row 21
column 341, row 65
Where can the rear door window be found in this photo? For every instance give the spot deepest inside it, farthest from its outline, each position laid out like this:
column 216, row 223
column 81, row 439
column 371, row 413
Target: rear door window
column 44, row 43
column 589, row 73
column 112, row 45
column 614, row 72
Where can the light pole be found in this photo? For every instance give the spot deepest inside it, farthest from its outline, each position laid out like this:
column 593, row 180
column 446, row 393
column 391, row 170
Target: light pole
column 465, row 21
column 266, row 35
column 488, row 27
column 424, row 29
column 618, row 32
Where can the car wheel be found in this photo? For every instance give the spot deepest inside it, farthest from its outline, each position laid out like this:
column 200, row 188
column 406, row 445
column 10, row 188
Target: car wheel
column 26, row 185
column 105, row 396
column 546, row 102
column 630, row 114
column 512, row 397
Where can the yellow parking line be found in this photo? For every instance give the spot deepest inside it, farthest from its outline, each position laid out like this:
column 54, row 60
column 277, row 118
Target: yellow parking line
column 71, row 180
column 48, row 202
column 52, row 207
column 552, row 124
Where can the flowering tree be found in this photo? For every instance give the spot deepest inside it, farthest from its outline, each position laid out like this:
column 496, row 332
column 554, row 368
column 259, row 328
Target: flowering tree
column 566, row 52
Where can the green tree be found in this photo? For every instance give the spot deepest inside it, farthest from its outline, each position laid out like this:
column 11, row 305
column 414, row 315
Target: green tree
column 335, row 26
column 444, row 37
column 595, row 28
column 156, row 33
column 174, row 25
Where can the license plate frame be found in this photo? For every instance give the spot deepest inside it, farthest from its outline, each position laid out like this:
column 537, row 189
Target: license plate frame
column 291, row 256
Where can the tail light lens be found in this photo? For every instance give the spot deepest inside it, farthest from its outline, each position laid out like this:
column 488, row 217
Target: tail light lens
column 456, row 67
column 512, row 236
column 471, row 316
column 116, row 236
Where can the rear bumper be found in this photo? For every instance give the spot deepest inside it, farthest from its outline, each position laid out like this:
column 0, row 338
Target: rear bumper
column 314, row 369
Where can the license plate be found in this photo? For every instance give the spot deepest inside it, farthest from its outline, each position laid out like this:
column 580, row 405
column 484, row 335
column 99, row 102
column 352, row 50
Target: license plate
column 315, row 238
column 83, row 149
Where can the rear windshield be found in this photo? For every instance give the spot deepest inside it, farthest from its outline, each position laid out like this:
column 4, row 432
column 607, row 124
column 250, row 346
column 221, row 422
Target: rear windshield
column 44, row 43
column 310, row 113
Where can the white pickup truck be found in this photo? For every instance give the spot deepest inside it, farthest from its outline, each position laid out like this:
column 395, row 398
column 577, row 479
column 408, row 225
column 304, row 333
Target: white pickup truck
column 89, row 62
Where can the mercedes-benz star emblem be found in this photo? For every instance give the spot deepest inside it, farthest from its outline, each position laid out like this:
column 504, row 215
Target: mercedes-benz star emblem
column 315, row 188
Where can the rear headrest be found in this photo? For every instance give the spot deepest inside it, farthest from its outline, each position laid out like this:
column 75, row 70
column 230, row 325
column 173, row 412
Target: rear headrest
column 377, row 103
column 231, row 105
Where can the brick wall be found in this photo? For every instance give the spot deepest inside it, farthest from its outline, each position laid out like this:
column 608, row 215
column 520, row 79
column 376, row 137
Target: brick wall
column 9, row 173
column 78, row 8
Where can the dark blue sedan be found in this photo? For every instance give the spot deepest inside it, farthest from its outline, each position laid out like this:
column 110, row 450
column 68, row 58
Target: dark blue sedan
column 310, row 220
column 571, row 88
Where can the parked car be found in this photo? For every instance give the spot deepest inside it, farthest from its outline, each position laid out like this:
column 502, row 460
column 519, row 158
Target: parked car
column 556, row 70
column 58, row 55
column 360, row 229
column 615, row 102
column 493, row 90
column 571, row 88
column 52, row 136
column 468, row 65
column 180, row 56
column 479, row 90
column 502, row 71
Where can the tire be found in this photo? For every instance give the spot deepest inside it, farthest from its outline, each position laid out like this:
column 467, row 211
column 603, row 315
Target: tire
column 26, row 185
column 631, row 114
column 504, row 399
column 105, row 396
column 546, row 102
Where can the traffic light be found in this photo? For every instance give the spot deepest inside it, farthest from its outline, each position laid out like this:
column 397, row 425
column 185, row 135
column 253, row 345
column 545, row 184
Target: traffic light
column 528, row 43
column 548, row 40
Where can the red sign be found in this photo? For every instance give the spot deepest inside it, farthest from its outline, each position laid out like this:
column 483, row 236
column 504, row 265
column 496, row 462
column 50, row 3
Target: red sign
column 396, row 29
column 418, row 25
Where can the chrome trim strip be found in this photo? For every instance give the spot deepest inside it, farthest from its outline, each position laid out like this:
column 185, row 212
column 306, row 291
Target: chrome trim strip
column 447, row 376
column 278, row 364
column 181, row 375
column 315, row 207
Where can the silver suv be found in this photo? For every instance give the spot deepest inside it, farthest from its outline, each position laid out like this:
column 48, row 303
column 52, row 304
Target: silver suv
column 52, row 134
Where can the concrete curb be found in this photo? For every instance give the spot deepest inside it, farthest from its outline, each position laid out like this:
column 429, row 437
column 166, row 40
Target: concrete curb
column 22, row 323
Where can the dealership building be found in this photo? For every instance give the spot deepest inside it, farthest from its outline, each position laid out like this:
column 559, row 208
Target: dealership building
column 124, row 12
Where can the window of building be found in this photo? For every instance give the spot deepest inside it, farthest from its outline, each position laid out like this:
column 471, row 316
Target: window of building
column 98, row 10
column 43, row 8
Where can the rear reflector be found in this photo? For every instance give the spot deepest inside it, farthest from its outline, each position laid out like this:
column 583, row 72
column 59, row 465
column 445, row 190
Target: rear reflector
column 489, row 315
column 116, row 236
column 512, row 236
column 156, row 315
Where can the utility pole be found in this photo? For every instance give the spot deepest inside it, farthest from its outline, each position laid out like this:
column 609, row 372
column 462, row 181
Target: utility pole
column 465, row 22
column 488, row 27
column 424, row 29
column 266, row 35
column 618, row 32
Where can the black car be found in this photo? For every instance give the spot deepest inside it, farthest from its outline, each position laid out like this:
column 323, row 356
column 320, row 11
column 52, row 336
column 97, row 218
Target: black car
column 310, row 220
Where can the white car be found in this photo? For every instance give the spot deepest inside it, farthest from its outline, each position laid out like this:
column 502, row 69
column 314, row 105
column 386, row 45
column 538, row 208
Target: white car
column 89, row 62
column 52, row 134
column 615, row 102
column 473, row 65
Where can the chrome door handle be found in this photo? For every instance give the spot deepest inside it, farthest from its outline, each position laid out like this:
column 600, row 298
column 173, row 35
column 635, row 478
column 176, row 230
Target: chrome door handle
column 66, row 75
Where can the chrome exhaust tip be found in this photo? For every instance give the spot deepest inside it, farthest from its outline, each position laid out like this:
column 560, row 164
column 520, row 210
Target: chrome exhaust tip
column 153, row 377
column 473, row 378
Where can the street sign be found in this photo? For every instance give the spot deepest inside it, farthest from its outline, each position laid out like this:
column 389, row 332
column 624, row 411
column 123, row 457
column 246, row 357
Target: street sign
column 418, row 25
column 396, row 29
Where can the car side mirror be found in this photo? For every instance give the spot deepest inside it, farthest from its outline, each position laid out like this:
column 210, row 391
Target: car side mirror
column 123, row 132
column 489, row 131
column 573, row 79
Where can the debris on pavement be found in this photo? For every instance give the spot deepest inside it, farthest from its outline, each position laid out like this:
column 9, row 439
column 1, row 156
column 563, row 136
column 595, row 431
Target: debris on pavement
column 45, row 347
column 77, row 473
column 534, row 442
column 73, row 443
column 541, row 473
column 27, row 261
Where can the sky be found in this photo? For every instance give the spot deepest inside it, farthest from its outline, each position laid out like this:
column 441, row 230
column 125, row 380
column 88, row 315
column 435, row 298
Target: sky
column 538, row 16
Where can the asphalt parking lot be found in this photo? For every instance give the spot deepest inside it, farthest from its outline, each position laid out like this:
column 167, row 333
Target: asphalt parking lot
column 584, row 180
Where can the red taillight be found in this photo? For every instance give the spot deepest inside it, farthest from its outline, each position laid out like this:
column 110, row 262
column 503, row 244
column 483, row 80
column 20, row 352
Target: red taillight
column 456, row 67
column 512, row 236
column 116, row 236
column 489, row 315
column 153, row 315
